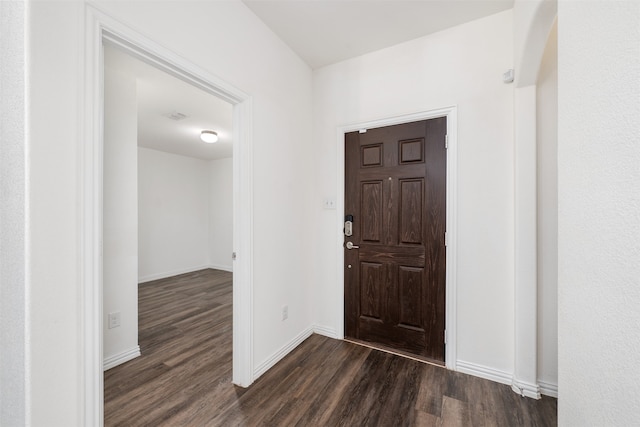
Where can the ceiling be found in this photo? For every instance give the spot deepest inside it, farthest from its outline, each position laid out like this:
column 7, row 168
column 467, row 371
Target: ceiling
column 323, row 32
column 161, row 96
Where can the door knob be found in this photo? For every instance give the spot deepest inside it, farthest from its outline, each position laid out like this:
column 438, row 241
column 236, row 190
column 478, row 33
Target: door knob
column 350, row 245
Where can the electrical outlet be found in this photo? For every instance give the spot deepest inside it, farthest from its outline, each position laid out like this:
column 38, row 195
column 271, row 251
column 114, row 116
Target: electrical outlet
column 285, row 312
column 114, row 320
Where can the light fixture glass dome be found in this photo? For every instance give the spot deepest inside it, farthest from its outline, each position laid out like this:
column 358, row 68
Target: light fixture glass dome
column 209, row 136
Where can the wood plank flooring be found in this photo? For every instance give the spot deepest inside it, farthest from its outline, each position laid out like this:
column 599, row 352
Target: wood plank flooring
column 183, row 377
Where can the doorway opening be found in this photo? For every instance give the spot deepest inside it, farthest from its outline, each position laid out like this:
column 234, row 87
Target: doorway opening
column 100, row 30
column 167, row 197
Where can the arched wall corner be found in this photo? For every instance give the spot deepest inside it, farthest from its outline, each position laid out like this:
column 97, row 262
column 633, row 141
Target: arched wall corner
column 101, row 28
column 533, row 21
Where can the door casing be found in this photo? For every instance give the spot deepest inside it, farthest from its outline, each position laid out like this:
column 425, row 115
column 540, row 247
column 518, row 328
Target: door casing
column 451, row 220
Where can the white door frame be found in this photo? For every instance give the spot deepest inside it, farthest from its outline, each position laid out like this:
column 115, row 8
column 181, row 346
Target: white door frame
column 452, row 155
column 100, row 28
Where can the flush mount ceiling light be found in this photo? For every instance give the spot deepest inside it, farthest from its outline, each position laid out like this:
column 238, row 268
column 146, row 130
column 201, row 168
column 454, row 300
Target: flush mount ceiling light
column 209, row 136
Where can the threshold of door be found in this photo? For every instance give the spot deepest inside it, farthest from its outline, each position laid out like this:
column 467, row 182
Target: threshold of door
column 396, row 352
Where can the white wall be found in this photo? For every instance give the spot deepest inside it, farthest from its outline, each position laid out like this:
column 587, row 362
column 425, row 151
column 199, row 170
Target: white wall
column 186, row 214
column 120, row 211
column 54, row 316
column 13, row 334
column 461, row 66
column 598, row 213
column 238, row 49
column 547, row 184
column 173, row 214
column 221, row 214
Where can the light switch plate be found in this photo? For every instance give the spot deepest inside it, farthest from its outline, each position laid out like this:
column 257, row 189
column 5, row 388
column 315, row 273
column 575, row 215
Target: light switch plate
column 329, row 203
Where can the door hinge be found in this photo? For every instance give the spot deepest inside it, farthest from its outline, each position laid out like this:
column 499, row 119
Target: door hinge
column 445, row 239
column 445, row 336
column 233, row 256
column 446, row 141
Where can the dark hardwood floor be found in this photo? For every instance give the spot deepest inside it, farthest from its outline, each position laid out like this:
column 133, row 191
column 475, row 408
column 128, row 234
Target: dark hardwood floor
column 183, row 377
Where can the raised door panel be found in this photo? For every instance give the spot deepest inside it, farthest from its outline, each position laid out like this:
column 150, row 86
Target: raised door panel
column 371, row 155
column 411, row 151
column 411, row 211
column 411, row 286
column 371, row 211
column 371, row 288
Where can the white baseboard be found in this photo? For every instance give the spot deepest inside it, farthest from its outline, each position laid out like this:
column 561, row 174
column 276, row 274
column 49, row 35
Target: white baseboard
column 485, row 372
column 282, row 352
column 326, row 331
column 548, row 389
column 228, row 268
column 164, row 275
column 120, row 358
column 527, row 389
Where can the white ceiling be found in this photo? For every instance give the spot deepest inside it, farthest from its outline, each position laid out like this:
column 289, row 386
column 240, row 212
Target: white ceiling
column 323, row 32
column 161, row 95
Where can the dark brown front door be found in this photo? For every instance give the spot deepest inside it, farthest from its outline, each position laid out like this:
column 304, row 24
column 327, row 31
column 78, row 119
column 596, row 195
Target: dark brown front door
column 395, row 189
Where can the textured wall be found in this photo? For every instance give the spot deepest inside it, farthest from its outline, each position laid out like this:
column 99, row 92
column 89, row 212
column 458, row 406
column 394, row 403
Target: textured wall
column 12, row 215
column 599, row 212
column 55, row 205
